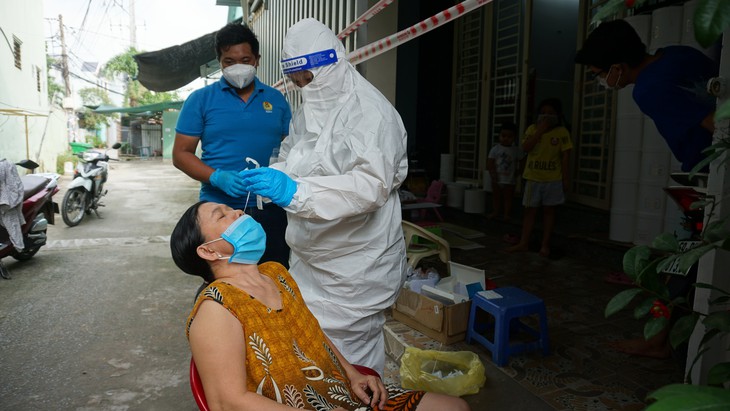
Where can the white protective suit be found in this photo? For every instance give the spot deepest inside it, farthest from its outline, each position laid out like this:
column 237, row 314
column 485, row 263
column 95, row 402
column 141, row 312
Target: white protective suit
column 346, row 150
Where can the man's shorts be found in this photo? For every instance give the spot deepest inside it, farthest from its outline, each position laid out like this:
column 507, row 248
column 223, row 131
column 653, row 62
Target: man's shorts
column 543, row 193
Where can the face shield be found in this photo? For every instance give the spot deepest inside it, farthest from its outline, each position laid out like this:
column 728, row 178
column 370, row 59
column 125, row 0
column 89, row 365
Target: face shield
column 299, row 71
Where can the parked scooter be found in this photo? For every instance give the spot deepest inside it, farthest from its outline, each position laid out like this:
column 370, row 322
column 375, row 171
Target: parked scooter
column 87, row 187
column 38, row 210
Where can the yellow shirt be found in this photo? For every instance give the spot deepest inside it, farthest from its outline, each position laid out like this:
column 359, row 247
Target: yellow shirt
column 545, row 160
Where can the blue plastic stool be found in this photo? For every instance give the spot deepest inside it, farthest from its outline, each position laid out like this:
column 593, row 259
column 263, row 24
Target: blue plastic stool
column 513, row 304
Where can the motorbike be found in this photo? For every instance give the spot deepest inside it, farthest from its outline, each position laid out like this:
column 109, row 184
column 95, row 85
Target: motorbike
column 87, row 187
column 38, row 210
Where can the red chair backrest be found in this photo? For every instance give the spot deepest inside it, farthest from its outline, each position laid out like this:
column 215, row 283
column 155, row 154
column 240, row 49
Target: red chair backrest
column 197, row 386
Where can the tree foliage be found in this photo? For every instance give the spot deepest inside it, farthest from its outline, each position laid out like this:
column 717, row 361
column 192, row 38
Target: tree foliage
column 121, row 65
column 125, row 67
column 92, row 97
column 56, row 92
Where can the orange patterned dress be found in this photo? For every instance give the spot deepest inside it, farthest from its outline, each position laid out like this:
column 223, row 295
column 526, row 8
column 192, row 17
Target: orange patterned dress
column 287, row 356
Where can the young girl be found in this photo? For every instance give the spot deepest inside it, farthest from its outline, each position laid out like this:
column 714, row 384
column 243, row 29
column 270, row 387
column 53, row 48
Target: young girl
column 547, row 144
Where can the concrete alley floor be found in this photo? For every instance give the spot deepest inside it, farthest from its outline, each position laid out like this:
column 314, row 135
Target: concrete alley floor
column 95, row 321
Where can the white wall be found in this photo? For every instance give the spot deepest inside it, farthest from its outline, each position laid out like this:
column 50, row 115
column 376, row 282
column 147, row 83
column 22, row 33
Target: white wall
column 19, row 89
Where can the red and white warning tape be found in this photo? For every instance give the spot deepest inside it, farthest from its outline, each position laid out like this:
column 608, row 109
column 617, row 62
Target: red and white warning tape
column 372, row 11
column 381, row 46
column 388, row 43
column 377, row 8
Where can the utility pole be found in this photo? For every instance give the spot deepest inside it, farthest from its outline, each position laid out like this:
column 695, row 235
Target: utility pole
column 68, row 106
column 64, row 58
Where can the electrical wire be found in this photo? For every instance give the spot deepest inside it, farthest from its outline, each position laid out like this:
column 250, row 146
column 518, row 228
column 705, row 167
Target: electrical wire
column 83, row 21
column 95, row 84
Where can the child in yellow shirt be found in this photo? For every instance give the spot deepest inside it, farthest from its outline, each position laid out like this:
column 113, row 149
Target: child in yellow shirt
column 547, row 144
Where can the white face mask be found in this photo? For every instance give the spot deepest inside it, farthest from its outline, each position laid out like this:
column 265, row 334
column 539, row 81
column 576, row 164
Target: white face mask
column 239, row 75
column 603, row 81
column 551, row 119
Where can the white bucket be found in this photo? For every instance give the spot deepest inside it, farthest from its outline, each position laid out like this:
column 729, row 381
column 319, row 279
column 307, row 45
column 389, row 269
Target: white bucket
column 455, row 195
column 68, row 167
column 487, row 181
column 474, row 201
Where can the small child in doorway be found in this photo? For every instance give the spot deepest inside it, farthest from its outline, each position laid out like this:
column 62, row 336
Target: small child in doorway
column 547, row 144
column 502, row 166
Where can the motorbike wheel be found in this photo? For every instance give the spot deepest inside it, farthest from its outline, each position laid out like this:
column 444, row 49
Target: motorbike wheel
column 74, row 206
column 26, row 254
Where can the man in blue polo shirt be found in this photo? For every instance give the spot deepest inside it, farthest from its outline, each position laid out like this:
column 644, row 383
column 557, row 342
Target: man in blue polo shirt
column 235, row 119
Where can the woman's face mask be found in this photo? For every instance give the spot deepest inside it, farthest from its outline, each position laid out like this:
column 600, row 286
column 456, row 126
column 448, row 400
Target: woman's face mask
column 247, row 238
column 239, row 75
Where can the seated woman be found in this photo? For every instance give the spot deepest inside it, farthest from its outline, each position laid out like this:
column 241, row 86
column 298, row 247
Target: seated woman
column 254, row 316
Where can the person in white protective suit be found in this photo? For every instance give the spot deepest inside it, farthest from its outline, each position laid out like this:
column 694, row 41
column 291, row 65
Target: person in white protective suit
column 338, row 176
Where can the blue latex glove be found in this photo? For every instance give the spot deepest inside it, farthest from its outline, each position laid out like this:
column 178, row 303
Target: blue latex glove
column 228, row 181
column 271, row 183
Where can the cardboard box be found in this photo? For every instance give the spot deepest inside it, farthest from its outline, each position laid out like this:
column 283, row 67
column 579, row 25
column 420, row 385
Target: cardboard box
column 395, row 346
column 445, row 323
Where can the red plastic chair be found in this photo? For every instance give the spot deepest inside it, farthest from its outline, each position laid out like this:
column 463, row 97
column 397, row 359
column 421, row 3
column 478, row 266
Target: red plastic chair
column 197, row 386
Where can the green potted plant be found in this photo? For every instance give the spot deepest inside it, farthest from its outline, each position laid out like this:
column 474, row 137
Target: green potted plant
column 644, row 265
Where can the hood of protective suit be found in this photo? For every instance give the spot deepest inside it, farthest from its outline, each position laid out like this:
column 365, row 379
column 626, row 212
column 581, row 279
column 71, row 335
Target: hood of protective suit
column 332, row 83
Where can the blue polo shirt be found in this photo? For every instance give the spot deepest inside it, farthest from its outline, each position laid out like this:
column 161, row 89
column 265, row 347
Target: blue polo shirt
column 672, row 91
column 231, row 129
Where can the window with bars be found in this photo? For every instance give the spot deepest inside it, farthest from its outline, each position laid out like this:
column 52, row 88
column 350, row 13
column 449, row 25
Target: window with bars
column 38, row 78
column 506, row 76
column 16, row 52
column 467, row 97
column 591, row 181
